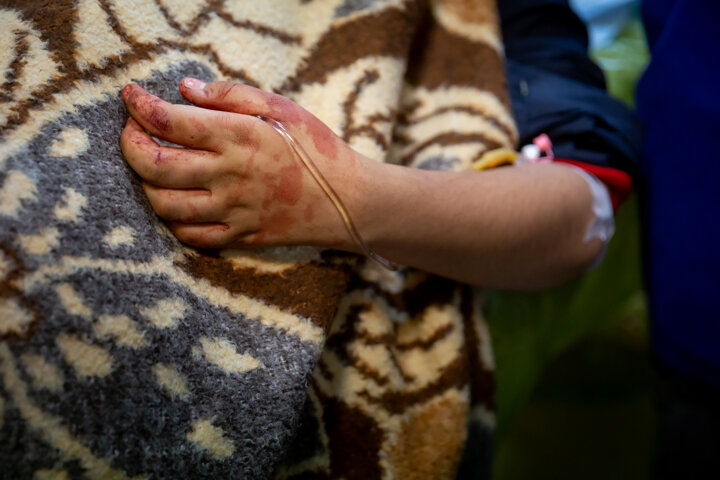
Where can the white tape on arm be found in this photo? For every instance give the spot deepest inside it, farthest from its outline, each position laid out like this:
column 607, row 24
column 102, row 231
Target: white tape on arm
column 602, row 225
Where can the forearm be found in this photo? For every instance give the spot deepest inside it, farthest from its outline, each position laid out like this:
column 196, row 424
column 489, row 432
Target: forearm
column 515, row 227
column 240, row 185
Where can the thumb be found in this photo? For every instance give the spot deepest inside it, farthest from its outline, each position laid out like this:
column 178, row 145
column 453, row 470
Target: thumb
column 239, row 98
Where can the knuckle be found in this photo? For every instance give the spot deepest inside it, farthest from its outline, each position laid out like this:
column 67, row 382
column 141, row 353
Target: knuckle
column 234, row 198
column 197, row 130
column 239, row 130
column 227, row 121
column 198, row 172
column 153, row 111
column 244, row 131
column 226, row 89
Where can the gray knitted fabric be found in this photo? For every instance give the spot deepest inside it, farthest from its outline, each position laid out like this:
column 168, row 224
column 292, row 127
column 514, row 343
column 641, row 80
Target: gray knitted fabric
column 125, row 304
column 124, row 354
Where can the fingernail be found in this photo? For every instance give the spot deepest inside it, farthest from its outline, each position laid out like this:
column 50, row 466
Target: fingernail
column 193, row 83
column 126, row 91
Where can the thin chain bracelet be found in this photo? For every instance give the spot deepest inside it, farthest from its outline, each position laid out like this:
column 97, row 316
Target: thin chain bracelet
column 334, row 198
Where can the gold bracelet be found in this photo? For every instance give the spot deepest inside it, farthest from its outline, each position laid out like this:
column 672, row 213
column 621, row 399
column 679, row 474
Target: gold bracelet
column 334, row 198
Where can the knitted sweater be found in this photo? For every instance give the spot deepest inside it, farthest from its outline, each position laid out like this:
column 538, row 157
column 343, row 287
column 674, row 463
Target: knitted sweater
column 124, row 354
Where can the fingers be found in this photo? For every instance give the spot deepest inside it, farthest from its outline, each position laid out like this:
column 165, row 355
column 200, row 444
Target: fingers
column 187, row 206
column 238, row 98
column 202, row 235
column 182, row 124
column 250, row 101
column 165, row 166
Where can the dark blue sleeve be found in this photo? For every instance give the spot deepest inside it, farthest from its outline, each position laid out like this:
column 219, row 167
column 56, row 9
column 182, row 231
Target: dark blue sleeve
column 556, row 89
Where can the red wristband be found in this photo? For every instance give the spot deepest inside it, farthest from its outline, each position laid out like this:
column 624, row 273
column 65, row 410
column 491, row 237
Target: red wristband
column 618, row 183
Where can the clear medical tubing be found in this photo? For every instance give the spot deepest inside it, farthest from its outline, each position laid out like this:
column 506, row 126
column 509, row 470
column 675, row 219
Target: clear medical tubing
column 334, row 198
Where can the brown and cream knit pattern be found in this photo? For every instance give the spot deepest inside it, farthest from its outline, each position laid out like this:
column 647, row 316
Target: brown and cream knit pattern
column 124, row 354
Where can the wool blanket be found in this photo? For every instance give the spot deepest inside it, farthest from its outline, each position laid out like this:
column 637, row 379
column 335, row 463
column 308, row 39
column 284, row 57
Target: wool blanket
column 124, row 354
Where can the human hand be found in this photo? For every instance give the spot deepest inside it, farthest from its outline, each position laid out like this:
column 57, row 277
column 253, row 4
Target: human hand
column 238, row 183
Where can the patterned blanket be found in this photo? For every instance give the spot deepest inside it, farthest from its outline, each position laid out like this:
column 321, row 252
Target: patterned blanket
column 124, row 354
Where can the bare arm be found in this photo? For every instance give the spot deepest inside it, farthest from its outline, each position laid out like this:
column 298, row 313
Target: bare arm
column 239, row 185
column 514, row 227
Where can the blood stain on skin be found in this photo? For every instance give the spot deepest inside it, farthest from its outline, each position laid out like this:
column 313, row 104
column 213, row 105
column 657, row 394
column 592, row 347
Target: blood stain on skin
column 142, row 141
column 290, row 187
column 227, row 89
column 159, row 118
column 126, row 91
column 308, row 213
column 323, row 138
column 254, row 145
column 197, row 124
column 148, row 106
column 236, row 198
column 268, row 181
column 139, row 138
column 285, row 110
column 289, row 113
column 285, row 187
column 249, row 164
column 278, row 223
column 256, row 239
column 244, row 134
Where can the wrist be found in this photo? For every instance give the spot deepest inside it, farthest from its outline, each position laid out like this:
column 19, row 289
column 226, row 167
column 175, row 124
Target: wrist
column 384, row 199
column 361, row 184
column 349, row 176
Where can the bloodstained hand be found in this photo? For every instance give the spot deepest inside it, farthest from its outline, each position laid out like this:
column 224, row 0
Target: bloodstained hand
column 237, row 183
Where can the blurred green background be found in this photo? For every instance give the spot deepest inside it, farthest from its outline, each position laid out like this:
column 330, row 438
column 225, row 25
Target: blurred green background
column 574, row 379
